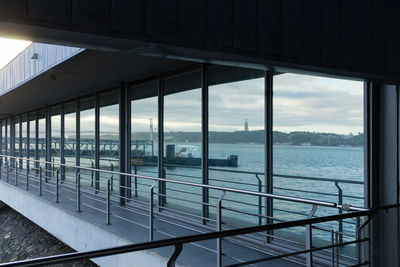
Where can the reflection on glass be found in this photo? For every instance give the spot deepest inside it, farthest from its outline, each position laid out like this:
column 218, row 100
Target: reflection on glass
column 16, row 136
column 144, row 137
column 182, row 140
column 8, row 136
column 318, row 132
column 55, row 151
column 24, row 135
column 42, row 134
column 32, row 137
column 87, row 138
column 70, row 140
column 70, row 133
column 109, row 136
column 236, row 139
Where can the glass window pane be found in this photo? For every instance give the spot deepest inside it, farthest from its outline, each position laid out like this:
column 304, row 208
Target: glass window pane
column 109, row 136
column 87, row 138
column 70, row 133
column 318, row 144
column 236, row 139
column 55, row 151
column 182, row 140
column 144, row 136
column 42, row 134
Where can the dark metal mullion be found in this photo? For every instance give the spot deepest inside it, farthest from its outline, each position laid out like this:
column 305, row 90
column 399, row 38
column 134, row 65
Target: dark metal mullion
column 78, row 135
column 28, row 135
column 97, row 141
column 48, row 142
column 37, row 157
column 128, row 139
column 204, row 131
column 20, row 141
column 62, row 143
column 12, row 139
column 5, row 137
column 122, row 144
column 161, row 172
column 1, row 141
column 268, row 116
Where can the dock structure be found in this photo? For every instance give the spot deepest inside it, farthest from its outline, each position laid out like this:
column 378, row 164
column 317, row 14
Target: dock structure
column 201, row 66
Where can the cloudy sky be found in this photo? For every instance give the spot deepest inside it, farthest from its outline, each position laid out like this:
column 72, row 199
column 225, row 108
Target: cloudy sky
column 301, row 103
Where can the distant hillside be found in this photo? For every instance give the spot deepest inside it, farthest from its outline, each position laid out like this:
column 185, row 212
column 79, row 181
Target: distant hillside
column 257, row 137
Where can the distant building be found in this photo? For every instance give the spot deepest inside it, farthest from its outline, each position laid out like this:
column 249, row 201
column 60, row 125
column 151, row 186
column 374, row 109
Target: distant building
column 246, row 125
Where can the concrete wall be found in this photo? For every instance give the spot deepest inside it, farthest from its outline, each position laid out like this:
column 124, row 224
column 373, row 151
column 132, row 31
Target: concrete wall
column 79, row 234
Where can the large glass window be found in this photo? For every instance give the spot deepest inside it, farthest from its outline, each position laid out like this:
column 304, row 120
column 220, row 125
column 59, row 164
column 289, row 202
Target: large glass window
column 32, row 138
column 144, row 136
column 55, row 150
column 42, row 134
column 70, row 148
column 318, row 144
column 8, row 136
column 87, row 137
column 236, row 139
column 109, row 136
column 3, row 137
column 182, row 140
column 70, row 133
column 16, row 136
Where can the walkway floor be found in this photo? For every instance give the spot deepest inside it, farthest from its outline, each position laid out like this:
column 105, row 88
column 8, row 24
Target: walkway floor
column 131, row 222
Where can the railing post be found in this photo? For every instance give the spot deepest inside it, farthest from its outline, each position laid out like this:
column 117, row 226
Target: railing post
column 259, row 201
column 27, row 174
column 151, row 213
column 8, row 171
column 309, row 260
column 52, row 168
column 358, row 245
column 112, row 178
column 136, row 182
column 16, row 172
column 219, row 228
column 337, row 248
column 333, row 248
column 175, row 255
column 340, row 202
column 40, row 180
column 78, row 192
column 92, row 175
column 108, row 203
column 57, row 185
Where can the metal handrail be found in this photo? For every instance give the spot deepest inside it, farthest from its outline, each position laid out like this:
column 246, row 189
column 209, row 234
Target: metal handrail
column 177, row 242
column 227, row 189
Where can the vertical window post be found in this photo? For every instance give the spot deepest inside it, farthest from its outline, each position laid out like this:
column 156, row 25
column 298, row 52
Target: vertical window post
column 268, row 109
column 62, row 142
column 204, row 130
column 97, row 142
column 161, row 173
column 122, row 143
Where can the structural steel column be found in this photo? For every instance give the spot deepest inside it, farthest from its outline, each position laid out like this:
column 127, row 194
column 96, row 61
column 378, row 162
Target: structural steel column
column 128, row 139
column 37, row 157
column 161, row 172
column 204, row 143
column 268, row 110
column 62, row 142
column 48, row 141
column 78, row 135
column 97, row 142
column 382, row 169
column 122, row 143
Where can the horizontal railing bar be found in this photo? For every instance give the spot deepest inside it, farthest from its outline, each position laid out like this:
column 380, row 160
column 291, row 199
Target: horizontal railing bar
column 290, row 254
column 273, row 196
column 186, row 239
